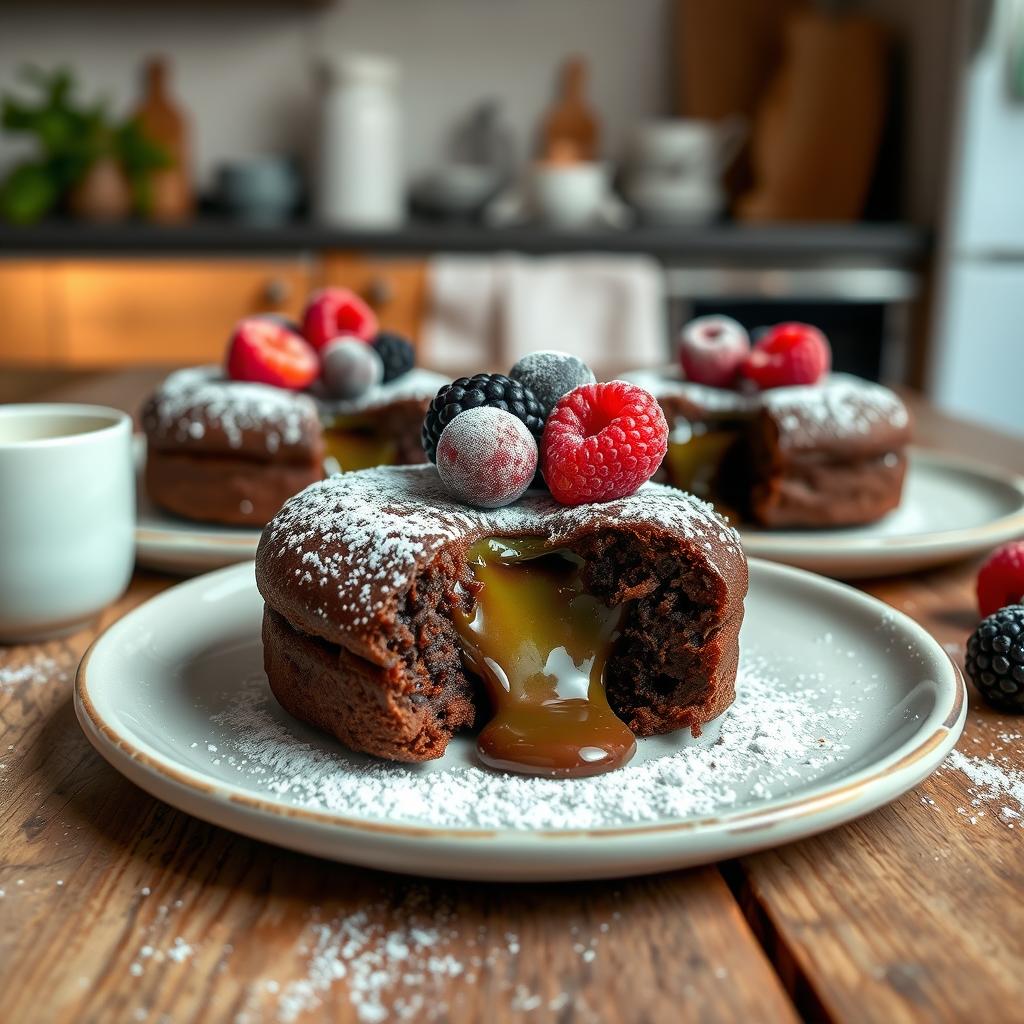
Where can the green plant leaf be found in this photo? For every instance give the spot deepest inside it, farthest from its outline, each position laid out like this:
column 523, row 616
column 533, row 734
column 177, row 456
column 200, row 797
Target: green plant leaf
column 28, row 193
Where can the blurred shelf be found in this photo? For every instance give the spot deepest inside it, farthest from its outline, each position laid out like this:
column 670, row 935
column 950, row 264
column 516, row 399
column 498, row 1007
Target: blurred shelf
column 895, row 245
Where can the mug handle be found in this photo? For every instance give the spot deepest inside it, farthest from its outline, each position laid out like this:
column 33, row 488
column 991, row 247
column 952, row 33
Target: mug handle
column 732, row 134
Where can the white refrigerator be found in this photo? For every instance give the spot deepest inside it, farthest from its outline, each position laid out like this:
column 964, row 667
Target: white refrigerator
column 977, row 364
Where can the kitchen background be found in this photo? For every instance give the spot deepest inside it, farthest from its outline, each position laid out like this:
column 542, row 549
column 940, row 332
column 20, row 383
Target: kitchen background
column 870, row 154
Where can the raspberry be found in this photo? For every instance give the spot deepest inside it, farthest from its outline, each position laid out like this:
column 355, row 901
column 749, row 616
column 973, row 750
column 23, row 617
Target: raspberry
column 786, row 354
column 486, row 457
column 711, row 350
column 1001, row 579
column 350, row 367
column 550, row 375
column 334, row 311
column 601, row 442
column 490, row 389
column 995, row 658
column 265, row 351
column 397, row 354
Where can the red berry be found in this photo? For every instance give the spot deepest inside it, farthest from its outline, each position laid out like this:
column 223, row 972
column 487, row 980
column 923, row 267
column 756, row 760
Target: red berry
column 602, row 441
column 1001, row 579
column 334, row 311
column 711, row 350
column 790, row 353
column 266, row 351
column 486, row 457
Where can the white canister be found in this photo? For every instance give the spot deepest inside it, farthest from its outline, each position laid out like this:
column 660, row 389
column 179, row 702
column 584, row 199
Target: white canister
column 359, row 174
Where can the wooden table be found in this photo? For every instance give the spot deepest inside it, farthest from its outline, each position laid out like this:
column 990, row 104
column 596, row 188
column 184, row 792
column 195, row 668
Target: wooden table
column 117, row 908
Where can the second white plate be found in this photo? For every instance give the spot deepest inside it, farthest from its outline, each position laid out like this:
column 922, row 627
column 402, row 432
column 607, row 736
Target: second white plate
column 951, row 509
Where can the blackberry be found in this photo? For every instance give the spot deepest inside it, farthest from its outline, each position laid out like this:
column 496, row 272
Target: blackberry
column 490, row 389
column 995, row 658
column 397, row 354
column 550, row 375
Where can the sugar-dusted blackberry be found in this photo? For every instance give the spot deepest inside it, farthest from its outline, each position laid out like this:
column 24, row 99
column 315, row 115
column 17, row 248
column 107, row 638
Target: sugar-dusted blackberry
column 550, row 374
column 995, row 658
column 490, row 389
column 397, row 354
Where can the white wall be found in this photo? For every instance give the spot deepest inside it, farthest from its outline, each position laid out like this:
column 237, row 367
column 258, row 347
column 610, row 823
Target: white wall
column 243, row 71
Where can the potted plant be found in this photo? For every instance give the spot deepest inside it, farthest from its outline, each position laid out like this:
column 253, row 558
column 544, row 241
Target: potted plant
column 86, row 163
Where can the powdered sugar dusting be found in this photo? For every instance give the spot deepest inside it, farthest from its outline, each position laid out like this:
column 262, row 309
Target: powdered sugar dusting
column 668, row 382
column 415, row 955
column 41, row 668
column 190, row 401
column 995, row 785
column 777, row 731
column 841, row 405
column 360, row 537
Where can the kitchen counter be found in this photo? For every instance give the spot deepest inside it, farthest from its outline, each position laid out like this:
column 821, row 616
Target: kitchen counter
column 871, row 244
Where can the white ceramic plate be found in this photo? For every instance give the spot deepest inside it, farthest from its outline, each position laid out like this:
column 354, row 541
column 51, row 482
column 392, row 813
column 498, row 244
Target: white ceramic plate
column 169, row 544
column 952, row 508
column 843, row 705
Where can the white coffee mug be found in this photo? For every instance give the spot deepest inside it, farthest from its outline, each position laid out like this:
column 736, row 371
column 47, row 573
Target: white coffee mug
column 67, row 516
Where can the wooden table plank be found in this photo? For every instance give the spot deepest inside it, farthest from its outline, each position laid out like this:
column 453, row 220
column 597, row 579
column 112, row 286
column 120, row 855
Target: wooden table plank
column 128, row 910
column 915, row 912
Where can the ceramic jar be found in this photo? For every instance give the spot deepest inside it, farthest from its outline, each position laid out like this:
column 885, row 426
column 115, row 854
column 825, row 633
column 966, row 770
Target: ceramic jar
column 359, row 167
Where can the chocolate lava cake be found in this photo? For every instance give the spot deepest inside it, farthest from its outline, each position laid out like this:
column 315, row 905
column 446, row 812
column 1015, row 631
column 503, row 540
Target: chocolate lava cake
column 381, row 427
column 367, row 574
column 223, row 451
column 819, row 455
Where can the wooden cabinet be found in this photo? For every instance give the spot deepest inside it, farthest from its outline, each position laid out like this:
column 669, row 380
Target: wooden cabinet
column 395, row 288
column 28, row 300
column 122, row 312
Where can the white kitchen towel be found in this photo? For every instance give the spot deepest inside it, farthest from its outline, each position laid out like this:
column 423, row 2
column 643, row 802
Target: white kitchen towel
column 460, row 329
column 488, row 312
column 608, row 310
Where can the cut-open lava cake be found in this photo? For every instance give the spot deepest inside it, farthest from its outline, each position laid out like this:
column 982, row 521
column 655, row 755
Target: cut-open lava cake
column 397, row 616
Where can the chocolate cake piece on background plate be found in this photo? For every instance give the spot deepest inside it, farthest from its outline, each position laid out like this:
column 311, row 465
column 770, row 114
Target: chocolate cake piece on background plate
column 770, row 435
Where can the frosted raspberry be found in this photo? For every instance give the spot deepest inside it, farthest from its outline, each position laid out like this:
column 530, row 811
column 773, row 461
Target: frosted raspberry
column 265, row 350
column 790, row 353
column 602, row 441
column 486, row 457
column 1001, row 579
column 331, row 312
column 711, row 350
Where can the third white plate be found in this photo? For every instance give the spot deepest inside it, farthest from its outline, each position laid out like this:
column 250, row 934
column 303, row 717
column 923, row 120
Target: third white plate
column 952, row 508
